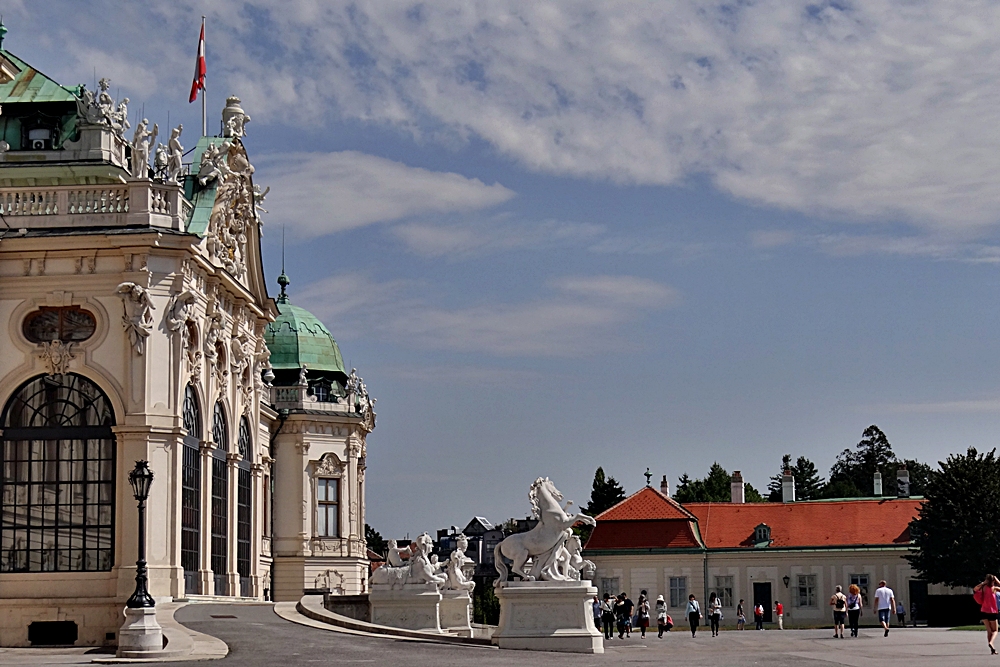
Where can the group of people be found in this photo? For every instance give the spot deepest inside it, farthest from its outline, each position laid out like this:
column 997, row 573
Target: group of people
column 621, row 614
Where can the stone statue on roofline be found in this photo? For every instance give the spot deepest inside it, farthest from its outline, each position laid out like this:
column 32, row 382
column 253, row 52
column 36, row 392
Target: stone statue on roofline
column 175, row 156
column 141, row 141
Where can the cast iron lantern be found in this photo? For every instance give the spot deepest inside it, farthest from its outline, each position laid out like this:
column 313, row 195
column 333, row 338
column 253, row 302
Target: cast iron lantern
column 141, row 478
column 786, row 579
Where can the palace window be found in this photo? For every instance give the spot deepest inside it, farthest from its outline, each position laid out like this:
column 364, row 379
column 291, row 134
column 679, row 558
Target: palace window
column 328, row 507
column 610, row 586
column 191, row 492
column 244, row 495
column 220, row 500
column 70, row 324
column 861, row 581
column 724, row 590
column 678, row 591
column 762, row 535
column 57, row 486
column 807, row 590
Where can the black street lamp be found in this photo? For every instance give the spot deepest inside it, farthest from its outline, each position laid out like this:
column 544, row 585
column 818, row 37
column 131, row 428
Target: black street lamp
column 141, row 478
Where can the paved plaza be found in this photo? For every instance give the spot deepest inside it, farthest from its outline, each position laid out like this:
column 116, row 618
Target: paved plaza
column 257, row 636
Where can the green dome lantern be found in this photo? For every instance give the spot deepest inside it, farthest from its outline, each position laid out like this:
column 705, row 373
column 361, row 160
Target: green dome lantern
column 297, row 338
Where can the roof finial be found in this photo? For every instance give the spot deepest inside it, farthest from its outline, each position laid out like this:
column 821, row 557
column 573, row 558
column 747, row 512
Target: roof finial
column 3, row 31
column 648, row 476
column 283, row 279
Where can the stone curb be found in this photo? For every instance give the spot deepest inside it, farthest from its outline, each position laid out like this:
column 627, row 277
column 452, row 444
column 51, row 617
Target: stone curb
column 311, row 607
column 183, row 643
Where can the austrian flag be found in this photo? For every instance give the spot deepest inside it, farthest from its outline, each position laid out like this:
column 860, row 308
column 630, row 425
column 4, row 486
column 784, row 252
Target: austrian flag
column 199, row 66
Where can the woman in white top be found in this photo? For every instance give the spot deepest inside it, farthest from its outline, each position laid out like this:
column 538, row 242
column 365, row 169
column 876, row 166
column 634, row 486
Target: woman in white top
column 693, row 614
column 661, row 616
column 714, row 613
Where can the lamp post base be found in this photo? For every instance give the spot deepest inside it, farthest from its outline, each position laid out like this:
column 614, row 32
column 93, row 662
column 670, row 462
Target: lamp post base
column 140, row 635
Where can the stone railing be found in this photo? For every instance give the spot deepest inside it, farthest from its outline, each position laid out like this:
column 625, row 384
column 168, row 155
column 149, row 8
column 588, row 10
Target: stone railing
column 296, row 396
column 136, row 203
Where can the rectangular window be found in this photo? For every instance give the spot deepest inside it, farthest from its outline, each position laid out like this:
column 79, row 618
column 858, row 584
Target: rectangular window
column 267, row 506
column 678, row 591
column 807, row 590
column 861, row 581
column 724, row 589
column 243, row 521
column 328, row 507
column 610, row 586
column 191, row 515
column 220, row 521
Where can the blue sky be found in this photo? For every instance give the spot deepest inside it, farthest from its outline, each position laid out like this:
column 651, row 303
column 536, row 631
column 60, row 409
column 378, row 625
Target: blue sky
column 558, row 236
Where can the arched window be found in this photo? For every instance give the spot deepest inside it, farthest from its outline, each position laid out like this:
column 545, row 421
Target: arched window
column 220, row 500
column 191, row 492
column 57, row 487
column 244, row 502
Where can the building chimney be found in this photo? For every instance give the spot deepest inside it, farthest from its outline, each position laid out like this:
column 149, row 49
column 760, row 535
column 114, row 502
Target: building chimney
column 787, row 487
column 878, row 484
column 665, row 486
column 737, row 491
column 903, row 482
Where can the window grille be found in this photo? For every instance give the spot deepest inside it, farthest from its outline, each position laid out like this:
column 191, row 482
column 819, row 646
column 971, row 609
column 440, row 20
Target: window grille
column 191, row 493
column 724, row 590
column 807, row 590
column 678, row 591
column 328, row 506
column 57, row 486
column 610, row 586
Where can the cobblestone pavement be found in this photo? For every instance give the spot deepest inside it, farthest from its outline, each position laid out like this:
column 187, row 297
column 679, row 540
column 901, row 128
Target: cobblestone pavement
column 258, row 637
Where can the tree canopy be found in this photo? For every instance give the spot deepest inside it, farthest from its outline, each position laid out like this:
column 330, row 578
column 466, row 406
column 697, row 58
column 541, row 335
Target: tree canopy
column 716, row 487
column 605, row 494
column 808, row 484
column 955, row 541
column 858, row 466
column 375, row 541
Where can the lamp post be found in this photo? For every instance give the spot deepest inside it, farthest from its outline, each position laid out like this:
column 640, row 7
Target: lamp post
column 141, row 635
column 141, row 478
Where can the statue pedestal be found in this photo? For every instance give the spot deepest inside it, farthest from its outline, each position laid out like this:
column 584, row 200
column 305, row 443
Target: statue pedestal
column 413, row 607
column 456, row 608
column 140, row 636
column 548, row 616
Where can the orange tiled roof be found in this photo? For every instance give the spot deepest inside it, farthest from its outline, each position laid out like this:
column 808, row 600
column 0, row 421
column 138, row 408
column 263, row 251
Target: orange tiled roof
column 808, row 524
column 647, row 503
column 648, row 534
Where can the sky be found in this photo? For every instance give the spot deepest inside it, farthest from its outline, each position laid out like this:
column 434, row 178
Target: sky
column 557, row 236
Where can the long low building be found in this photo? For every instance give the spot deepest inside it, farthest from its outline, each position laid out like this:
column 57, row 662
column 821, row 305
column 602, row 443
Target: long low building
column 792, row 552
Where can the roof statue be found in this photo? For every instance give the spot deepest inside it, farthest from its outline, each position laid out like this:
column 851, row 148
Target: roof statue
column 234, row 118
column 175, row 156
column 141, row 141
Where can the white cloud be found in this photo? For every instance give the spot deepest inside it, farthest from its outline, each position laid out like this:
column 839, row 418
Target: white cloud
column 498, row 233
column 320, row 193
column 578, row 316
column 932, row 246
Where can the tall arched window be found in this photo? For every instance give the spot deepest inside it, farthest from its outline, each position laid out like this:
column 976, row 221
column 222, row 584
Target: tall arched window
column 244, row 501
column 57, row 487
column 220, row 500
column 191, row 492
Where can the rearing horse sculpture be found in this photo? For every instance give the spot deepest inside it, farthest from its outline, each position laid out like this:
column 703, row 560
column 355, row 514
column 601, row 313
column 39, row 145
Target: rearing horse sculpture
column 543, row 542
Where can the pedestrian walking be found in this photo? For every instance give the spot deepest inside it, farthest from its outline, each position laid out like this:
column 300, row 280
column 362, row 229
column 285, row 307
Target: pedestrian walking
column 985, row 596
column 758, row 616
column 885, row 602
column 913, row 612
column 741, row 617
column 714, row 613
column 596, row 608
column 779, row 611
column 693, row 614
column 608, row 616
column 642, row 615
column 662, row 617
column 901, row 614
column 839, row 604
column 854, row 607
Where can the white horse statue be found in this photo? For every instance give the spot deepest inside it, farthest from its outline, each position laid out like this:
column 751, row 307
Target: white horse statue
column 543, row 543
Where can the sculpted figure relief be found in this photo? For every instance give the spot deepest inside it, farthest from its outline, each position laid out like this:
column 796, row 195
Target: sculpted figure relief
column 544, row 544
column 141, row 141
column 138, row 317
column 457, row 581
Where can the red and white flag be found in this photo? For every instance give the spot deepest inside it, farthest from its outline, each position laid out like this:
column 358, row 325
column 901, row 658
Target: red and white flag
column 199, row 66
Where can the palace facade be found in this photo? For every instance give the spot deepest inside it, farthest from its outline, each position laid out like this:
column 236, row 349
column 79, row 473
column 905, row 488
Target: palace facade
column 139, row 327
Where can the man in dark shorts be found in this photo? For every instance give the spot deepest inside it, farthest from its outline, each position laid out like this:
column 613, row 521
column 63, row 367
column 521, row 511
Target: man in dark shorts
column 839, row 604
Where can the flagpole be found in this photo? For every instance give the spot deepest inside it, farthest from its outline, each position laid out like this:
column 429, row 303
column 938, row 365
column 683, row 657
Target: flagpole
column 204, row 118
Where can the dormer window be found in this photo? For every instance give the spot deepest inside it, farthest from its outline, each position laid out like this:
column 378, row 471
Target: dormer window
column 40, row 139
column 762, row 535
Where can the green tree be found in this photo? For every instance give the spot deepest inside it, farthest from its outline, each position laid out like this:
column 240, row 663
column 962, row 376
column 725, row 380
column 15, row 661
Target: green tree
column 808, row 484
column 485, row 605
column 858, row 466
column 375, row 541
column 752, row 495
column 955, row 541
column 920, row 474
column 605, row 494
column 715, row 487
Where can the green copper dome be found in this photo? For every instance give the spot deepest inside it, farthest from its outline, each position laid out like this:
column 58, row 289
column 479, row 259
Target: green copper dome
column 297, row 338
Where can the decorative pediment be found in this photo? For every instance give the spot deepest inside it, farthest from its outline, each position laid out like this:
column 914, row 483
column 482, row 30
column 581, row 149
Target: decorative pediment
column 328, row 464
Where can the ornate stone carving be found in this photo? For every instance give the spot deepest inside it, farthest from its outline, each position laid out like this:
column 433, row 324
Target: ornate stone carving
column 364, row 404
column 56, row 355
column 141, row 141
column 175, row 156
column 258, row 199
column 418, row 572
column 571, row 564
column 328, row 464
column 234, row 118
column 138, row 317
column 233, row 212
column 213, row 163
column 180, row 309
column 544, row 543
column 457, row 564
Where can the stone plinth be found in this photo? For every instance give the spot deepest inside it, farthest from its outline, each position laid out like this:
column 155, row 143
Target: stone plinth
column 548, row 616
column 141, row 635
column 456, row 608
column 414, row 607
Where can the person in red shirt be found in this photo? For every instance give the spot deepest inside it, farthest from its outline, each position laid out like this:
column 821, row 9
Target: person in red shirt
column 985, row 596
column 780, row 611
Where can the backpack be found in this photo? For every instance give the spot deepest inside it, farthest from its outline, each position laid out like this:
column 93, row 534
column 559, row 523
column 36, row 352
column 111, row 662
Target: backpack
column 839, row 606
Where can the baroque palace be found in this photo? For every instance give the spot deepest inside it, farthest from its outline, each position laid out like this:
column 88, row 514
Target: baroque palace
column 139, row 327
